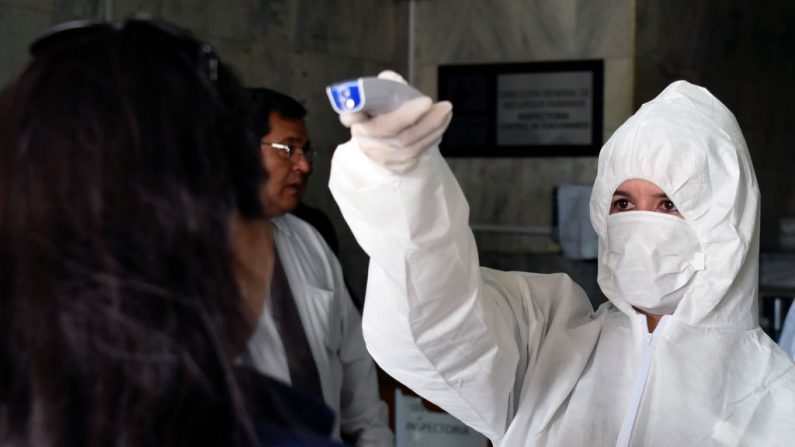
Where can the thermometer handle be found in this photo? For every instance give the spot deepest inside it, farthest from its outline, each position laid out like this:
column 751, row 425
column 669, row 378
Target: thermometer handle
column 370, row 94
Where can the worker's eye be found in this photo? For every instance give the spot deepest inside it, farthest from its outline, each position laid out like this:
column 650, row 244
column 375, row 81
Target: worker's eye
column 668, row 206
column 621, row 204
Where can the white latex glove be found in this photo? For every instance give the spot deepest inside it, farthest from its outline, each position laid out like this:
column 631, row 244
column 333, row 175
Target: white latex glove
column 395, row 139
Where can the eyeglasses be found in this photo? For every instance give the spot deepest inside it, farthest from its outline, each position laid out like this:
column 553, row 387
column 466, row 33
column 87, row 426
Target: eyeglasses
column 293, row 152
column 64, row 32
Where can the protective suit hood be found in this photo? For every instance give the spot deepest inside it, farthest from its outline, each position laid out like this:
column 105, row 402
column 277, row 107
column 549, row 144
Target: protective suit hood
column 689, row 144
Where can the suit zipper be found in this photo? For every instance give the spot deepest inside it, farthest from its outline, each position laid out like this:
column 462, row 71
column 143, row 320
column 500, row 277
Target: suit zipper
column 639, row 386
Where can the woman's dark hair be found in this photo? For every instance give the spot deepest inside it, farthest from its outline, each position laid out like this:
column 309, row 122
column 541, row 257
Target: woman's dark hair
column 123, row 157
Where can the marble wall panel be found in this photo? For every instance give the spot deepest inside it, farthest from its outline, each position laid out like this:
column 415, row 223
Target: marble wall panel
column 251, row 20
column 143, row 9
column 188, row 14
column 18, row 27
column 519, row 191
column 262, row 63
column 78, row 9
column 352, row 29
column 605, row 28
column 46, row 5
column 475, row 31
column 324, row 29
column 618, row 92
column 495, row 31
column 425, row 79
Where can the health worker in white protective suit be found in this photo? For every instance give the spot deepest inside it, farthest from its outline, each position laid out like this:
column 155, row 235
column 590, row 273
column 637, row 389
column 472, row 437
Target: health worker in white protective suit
column 676, row 357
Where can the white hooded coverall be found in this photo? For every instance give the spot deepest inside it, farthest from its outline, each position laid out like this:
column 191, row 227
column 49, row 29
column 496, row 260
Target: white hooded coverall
column 522, row 357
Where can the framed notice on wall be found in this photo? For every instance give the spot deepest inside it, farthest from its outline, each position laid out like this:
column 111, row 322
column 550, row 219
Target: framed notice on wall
column 523, row 109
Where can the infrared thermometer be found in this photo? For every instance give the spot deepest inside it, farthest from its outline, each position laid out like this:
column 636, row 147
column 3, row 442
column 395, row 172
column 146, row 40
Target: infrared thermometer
column 371, row 95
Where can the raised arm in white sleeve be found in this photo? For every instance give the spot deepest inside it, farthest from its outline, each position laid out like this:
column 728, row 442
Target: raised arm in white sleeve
column 424, row 321
column 461, row 336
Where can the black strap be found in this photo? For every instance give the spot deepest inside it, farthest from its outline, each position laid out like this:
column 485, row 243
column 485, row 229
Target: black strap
column 303, row 371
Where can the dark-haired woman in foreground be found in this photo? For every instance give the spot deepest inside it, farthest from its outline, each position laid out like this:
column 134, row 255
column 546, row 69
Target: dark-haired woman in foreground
column 131, row 237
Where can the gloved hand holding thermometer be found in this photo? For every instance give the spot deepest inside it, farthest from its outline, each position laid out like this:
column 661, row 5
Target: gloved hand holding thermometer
column 391, row 122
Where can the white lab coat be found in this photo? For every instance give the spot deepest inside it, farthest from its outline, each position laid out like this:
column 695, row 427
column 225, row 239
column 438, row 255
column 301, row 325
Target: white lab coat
column 333, row 329
column 522, row 358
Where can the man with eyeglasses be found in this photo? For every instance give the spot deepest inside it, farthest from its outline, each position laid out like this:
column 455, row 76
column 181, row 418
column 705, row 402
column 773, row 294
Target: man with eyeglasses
column 309, row 334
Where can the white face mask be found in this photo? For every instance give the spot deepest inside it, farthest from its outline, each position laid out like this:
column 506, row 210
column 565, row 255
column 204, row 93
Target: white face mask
column 652, row 258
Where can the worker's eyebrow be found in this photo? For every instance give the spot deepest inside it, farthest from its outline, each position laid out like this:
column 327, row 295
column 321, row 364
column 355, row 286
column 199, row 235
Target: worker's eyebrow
column 661, row 195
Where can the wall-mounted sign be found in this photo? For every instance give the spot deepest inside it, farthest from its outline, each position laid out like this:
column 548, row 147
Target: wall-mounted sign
column 521, row 110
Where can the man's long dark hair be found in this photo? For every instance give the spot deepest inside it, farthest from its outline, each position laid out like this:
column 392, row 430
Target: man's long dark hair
column 123, row 156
